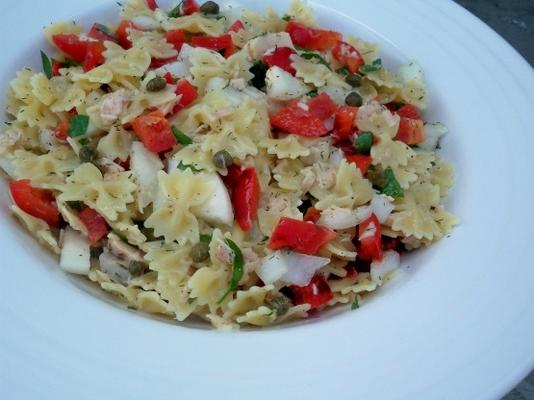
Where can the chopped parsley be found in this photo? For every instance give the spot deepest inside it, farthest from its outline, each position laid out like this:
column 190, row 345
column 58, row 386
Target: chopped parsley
column 355, row 305
column 181, row 137
column 183, row 167
column 313, row 93
column 363, row 142
column 205, row 238
column 392, row 187
column 308, row 55
column 286, row 17
column 376, row 65
column 191, row 300
column 343, row 71
column 47, row 65
column 237, row 269
column 175, row 12
column 78, row 125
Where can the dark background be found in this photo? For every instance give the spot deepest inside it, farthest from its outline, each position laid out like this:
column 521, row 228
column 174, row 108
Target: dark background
column 514, row 21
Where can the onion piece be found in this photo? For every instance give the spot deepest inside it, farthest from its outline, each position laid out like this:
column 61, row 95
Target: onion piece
column 145, row 23
column 111, row 265
column 382, row 207
column 434, row 132
column 380, row 269
column 75, row 252
column 338, row 218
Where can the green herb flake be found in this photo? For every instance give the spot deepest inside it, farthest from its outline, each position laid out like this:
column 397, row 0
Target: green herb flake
column 343, row 71
column 67, row 63
column 363, row 142
column 313, row 93
column 182, row 167
column 320, row 59
column 175, row 12
column 83, row 141
column 392, row 187
column 191, row 300
column 376, row 65
column 47, row 65
column 78, row 125
column 355, row 305
column 205, row 238
column 286, row 17
column 180, row 136
column 237, row 269
column 105, row 30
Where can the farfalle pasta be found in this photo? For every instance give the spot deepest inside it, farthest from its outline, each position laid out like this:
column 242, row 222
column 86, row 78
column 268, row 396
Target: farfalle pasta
column 219, row 163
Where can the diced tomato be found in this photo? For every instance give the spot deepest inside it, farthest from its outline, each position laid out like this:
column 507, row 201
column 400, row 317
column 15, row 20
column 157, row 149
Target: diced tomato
column 154, row 131
column 411, row 131
column 344, row 120
column 56, row 66
column 152, row 4
column 96, row 225
column 36, row 202
column 71, row 45
column 408, row 111
column 322, row 106
column 312, row 215
column 124, row 164
column 177, row 38
column 189, row 7
column 311, row 38
column 246, row 198
column 223, row 43
column 348, row 55
column 280, row 58
column 303, row 237
column 123, row 36
column 231, row 179
column 237, row 26
column 351, row 270
column 361, row 161
column 187, row 91
column 294, row 119
column 316, row 293
column 93, row 56
column 61, row 131
column 160, row 62
column 169, row 78
column 101, row 33
column 370, row 239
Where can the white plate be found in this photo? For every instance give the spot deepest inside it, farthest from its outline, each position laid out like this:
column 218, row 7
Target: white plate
column 458, row 325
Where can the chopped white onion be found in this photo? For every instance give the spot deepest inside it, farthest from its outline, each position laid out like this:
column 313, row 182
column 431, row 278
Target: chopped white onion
column 215, row 83
column 256, row 48
column 336, row 93
column 389, row 263
column 178, row 69
column 272, row 269
column 411, row 72
column 7, row 165
column 145, row 166
column 433, row 132
column 381, row 207
column 47, row 138
column 75, row 252
column 338, row 218
column 145, row 23
column 111, row 265
column 281, row 85
column 217, row 209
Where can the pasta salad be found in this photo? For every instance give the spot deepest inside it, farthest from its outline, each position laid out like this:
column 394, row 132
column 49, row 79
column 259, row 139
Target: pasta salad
column 212, row 161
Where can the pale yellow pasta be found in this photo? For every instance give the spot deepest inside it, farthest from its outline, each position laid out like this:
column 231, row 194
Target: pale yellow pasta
column 115, row 145
column 299, row 11
column 37, row 228
column 391, row 153
column 288, row 147
column 311, row 72
column 195, row 23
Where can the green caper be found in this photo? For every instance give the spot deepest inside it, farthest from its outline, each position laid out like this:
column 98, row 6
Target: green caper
column 200, row 252
column 280, row 304
column 87, row 154
column 354, row 80
column 209, row 7
column 222, row 159
column 156, row 84
column 353, row 99
column 136, row 268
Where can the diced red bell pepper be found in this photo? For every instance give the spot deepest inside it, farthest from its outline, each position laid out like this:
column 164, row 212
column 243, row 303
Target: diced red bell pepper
column 311, row 38
column 101, row 33
column 408, row 111
column 154, row 131
column 246, row 198
column 177, row 38
column 160, row 62
column 348, row 55
column 96, row 225
column 294, row 119
column 223, row 43
column 71, row 45
column 316, row 293
column 312, row 215
column 189, row 7
column 169, row 78
column 237, row 26
column 361, row 161
column 61, row 131
column 411, row 131
column 188, row 92
column 123, row 37
column 232, row 177
column 56, row 66
column 303, row 237
column 94, row 56
column 36, row 202
column 370, row 239
column 152, row 4
column 344, row 120
column 280, row 58
column 322, row 106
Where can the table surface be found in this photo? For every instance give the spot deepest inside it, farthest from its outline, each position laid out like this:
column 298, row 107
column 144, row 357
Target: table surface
column 514, row 21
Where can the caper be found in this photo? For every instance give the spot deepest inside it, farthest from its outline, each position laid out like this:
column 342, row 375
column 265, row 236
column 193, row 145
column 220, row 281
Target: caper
column 354, row 80
column 87, row 154
column 136, row 268
column 200, row 252
column 209, row 7
column 222, row 159
column 280, row 304
column 156, row 84
column 353, row 99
